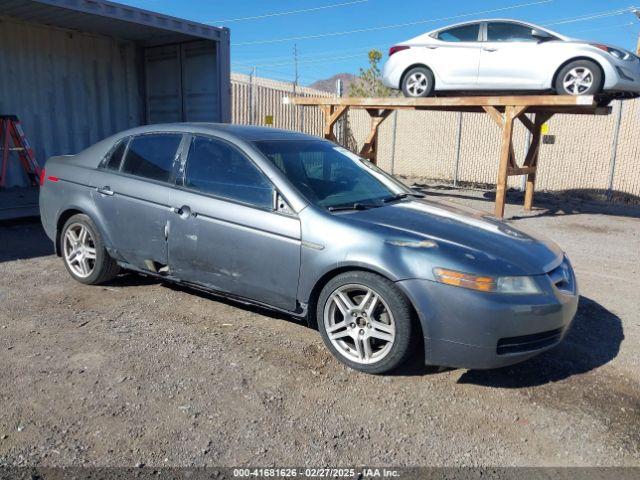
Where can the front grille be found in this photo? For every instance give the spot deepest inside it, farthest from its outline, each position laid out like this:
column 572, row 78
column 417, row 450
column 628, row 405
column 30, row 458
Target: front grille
column 528, row 343
column 562, row 277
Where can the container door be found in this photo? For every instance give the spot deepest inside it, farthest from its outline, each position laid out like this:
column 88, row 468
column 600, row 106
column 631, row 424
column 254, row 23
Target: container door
column 163, row 84
column 182, row 83
column 201, row 89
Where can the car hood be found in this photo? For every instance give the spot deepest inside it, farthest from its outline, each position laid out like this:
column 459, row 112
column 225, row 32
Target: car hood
column 462, row 238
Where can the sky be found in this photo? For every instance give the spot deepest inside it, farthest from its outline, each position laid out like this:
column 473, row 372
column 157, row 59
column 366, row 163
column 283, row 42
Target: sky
column 334, row 36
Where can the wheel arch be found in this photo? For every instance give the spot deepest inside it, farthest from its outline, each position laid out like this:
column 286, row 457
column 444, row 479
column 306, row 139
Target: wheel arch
column 414, row 65
column 69, row 212
column 312, row 321
column 575, row 59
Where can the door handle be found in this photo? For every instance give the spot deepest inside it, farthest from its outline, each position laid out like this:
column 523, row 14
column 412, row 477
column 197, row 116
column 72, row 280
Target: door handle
column 488, row 49
column 105, row 191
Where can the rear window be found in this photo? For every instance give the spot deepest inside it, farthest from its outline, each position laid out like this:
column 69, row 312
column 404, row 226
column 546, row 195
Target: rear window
column 114, row 159
column 465, row 33
column 152, row 156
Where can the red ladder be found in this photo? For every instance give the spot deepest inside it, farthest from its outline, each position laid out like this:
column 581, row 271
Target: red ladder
column 10, row 129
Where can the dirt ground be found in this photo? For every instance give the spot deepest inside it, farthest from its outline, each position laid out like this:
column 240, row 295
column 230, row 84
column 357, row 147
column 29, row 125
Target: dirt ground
column 139, row 372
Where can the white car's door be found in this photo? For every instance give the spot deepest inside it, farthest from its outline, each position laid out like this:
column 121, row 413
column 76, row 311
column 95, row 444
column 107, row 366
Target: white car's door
column 511, row 58
column 454, row 56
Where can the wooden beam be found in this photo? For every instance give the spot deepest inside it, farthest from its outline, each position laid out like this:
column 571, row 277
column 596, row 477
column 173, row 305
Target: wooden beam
column 520, row 171
column 369, row 149
column 332, row 114
column 531, row 160
column 495, row 114
column 505, row 154
column 504, row 101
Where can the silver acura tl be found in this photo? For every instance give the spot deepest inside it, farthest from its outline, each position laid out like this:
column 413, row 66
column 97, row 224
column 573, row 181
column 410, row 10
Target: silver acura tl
column 299, row 224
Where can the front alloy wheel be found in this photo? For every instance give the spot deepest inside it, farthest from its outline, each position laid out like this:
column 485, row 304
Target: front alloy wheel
column 359, row 324
column 366, row 321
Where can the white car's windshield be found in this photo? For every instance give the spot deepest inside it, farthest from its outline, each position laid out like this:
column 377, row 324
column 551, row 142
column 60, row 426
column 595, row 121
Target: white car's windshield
column 331, row 176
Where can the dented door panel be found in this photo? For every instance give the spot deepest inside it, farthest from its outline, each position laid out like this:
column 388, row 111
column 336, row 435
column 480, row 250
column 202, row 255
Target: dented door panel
column 234, row 248
column 138, row 211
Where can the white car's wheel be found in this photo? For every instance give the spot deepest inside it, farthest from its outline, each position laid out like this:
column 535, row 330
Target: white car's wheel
column 582, row 77
column 418, row 82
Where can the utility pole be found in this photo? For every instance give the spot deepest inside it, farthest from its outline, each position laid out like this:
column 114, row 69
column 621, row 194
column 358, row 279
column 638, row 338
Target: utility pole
column 251, row 96
column 295, row 66
column 295, row 83
column 636, row 12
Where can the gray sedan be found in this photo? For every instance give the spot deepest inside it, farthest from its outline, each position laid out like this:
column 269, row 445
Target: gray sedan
column 300, row 225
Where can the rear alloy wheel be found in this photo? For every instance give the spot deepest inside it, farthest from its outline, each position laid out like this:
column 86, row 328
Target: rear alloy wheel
column 83, row 252
column 582, row 77
column 365, row 321
column 418, row 82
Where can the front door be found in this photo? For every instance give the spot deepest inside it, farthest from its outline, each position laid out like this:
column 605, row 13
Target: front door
column 224, row 233
column 131, row 193
column 509, row 58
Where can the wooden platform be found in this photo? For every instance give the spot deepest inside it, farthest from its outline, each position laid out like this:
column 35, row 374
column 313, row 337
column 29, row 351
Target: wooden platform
column 504, row 110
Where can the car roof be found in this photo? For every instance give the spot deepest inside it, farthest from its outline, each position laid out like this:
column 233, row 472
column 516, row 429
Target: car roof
column 248, row 133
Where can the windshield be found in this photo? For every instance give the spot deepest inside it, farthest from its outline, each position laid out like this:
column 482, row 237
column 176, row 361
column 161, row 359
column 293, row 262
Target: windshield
column 331, row 176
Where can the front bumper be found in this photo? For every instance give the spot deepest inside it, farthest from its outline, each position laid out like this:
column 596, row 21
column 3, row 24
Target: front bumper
column 623, row 76
column 469, row 329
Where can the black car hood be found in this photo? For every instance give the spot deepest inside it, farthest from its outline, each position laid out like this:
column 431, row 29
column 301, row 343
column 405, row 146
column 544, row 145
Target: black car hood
column 467, row 239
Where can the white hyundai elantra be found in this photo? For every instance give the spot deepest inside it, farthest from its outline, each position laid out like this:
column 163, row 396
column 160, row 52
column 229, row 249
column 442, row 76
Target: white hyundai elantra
column 508, row 55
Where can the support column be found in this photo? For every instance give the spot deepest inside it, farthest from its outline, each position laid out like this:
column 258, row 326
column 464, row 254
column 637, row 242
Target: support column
column 370, row 148
column 531, row 161
column 332, row 113
column 505, row 158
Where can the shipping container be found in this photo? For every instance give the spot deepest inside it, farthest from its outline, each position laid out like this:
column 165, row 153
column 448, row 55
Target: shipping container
column 77, row 71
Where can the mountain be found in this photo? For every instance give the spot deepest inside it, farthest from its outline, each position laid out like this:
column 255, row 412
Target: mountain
column 329, row 84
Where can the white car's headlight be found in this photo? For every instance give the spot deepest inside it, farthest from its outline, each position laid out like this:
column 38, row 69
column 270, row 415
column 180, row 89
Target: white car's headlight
column 614, row 52
column 514, row 285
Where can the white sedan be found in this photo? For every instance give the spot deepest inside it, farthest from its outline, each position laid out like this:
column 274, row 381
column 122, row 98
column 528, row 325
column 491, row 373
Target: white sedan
column 508, row 55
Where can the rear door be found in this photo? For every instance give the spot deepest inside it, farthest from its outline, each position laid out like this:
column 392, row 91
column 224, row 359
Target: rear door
column 511, row 58
column 132, row 195
column 455, row 56
column 225, row 234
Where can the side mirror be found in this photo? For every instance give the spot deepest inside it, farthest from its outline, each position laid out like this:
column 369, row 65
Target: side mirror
column 541, row 34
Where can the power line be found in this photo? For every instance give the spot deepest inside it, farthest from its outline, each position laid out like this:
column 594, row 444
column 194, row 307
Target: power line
column 396, row 25
column 592, row 16
column 289, row 12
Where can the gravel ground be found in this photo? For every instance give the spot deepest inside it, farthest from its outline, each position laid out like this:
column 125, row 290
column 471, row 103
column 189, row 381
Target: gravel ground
column 140, row 372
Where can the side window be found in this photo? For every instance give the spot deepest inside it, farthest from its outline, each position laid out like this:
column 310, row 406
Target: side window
column 464, row 33
column 151, row 156
column 217, row 168
column 509, row 32
column 112, row 162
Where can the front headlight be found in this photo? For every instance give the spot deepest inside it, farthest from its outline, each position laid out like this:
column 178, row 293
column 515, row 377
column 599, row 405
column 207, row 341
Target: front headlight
column 614, row 52
column 513, row 285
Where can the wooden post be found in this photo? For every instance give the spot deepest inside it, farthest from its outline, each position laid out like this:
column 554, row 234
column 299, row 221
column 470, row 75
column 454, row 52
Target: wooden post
column 332, row 113
column 532, row 157
column 505, row 156
column 369, row 149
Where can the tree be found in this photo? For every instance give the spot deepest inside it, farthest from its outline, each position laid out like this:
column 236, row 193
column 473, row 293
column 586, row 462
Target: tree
column 369, row 82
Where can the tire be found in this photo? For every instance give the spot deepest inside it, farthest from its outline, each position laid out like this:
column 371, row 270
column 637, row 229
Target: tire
column 387, row 327
column 95, row 265
column 418, row 82
column 568, row 79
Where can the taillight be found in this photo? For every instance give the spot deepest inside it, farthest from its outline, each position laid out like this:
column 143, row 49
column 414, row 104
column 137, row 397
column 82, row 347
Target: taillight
column 398, row 48
column 42, row 176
